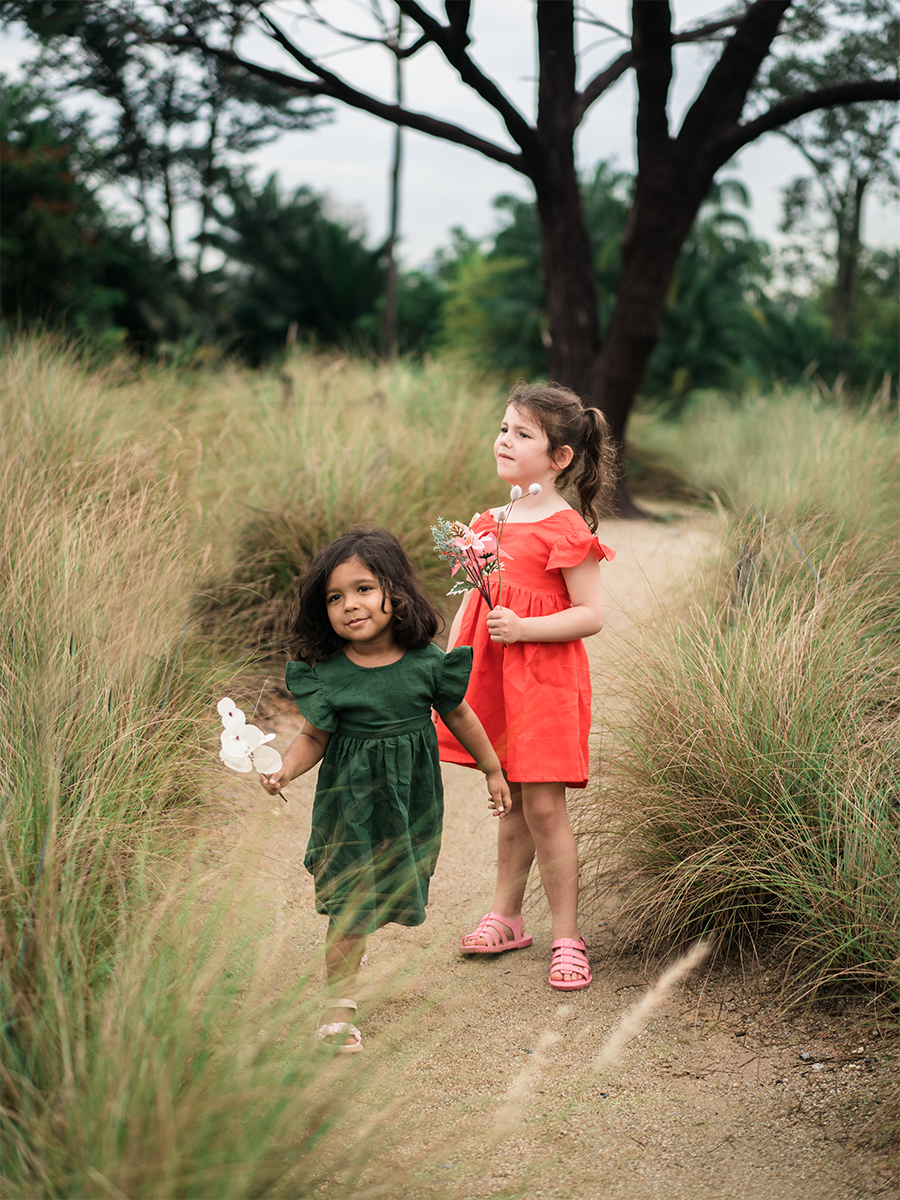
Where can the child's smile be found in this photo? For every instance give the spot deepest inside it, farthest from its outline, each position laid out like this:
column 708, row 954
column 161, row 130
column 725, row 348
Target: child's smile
column 358, row 609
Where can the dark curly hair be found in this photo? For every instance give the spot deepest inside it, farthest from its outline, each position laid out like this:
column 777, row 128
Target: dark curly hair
column 312, row 637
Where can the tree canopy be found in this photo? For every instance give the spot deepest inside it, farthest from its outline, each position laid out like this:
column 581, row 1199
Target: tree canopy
column 774, row 64
column 676, row 168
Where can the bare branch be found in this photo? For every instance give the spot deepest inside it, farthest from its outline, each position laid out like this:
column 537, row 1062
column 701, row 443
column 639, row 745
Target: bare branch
column 703, row 32
column 417, row 45
column 652, row 43
column 722, row 97
column 328, row 84
column 458, row 13
column 733, row 139
column 452, row 41
column 616, row 69
column 584, row 17
column 599, row 84
column 317, row 19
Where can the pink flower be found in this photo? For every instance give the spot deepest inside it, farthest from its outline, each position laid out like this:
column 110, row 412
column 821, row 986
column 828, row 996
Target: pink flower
column 469, row 541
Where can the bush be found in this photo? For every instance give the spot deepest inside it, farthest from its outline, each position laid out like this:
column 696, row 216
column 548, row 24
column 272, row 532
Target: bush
column 359, row 444
column 758, row 788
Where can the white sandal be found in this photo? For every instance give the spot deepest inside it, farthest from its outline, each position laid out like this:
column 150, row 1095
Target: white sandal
column 335, row 1028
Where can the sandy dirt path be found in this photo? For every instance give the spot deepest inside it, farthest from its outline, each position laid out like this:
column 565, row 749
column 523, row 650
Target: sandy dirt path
column 487, row 1072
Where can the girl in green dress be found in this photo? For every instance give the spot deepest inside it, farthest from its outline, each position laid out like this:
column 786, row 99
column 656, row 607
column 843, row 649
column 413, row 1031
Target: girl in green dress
column 367, row 678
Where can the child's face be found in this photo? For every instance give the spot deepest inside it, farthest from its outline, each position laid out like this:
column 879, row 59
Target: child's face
column 521, row 451
column 354, row 599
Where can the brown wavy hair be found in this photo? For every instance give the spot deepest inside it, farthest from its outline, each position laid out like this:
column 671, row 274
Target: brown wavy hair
column 312, row 638
column 566, row 422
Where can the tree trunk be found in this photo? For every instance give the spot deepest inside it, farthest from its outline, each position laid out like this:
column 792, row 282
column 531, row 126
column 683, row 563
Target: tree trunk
column 570, row 295
column 209, row 172
column 848, row 250
column 567, row 257
column 169, row 194
column 663, row 211
column 389, row 324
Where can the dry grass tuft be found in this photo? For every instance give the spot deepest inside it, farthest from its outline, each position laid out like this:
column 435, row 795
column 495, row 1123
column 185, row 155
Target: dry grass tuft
column 636, row 1019
column 146, row 1048
column 757, row 793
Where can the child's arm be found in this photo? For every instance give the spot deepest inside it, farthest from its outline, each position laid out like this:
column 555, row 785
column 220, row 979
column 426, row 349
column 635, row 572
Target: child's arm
column 469, row 731
column 457, row 621
column 303, row 753
column 585, row 617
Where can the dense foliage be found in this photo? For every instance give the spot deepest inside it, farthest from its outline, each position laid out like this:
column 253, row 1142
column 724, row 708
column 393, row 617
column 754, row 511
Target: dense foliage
column 54, row 248
column 737, row 314
column 727, row 323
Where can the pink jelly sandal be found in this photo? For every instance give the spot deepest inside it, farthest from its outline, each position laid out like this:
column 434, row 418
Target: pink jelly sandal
column 497, row 930
column 570, row 958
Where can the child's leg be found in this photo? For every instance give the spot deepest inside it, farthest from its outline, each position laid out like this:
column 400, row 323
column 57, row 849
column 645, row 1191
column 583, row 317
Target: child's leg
column 343, row 953
column 538, row 823
column 544, row 808
column 515, row 854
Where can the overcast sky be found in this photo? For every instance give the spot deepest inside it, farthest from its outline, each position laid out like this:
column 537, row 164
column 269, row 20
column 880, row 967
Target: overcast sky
column 446, row 185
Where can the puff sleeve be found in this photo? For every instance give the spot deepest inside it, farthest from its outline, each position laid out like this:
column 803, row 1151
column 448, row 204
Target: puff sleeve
column 574, row 548
column 451, row 688
column 306, row 688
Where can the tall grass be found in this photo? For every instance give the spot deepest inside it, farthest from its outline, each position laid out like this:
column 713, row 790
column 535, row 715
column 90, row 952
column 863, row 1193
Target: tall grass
column 757, row 797
column 133, row 1061
column 189, row 1072
column 357, row 445
column 267, row 479
column 792, row 454
column 100, row 698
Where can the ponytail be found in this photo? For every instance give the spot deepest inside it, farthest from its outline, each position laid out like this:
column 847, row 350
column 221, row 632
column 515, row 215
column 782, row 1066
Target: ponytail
column 594, row 468
column 566, row 422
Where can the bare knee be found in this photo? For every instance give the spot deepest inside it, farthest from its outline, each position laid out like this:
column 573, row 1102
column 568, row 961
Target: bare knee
column 544, row 806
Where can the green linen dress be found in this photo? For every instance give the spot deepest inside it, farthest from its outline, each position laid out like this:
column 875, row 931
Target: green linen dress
column 379, row 804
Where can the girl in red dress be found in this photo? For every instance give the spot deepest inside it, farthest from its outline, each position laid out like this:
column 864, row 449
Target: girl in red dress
column 530, row 685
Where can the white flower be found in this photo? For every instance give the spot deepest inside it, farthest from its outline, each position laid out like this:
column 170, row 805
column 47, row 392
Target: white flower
column 502, row 515
column 515, row 492
column 231, row 715
column 534, row 489
column 266, row 760
column 244, row 747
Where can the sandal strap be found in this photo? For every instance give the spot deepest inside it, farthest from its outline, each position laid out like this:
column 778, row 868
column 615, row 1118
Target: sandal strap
column 494, row 928
column 335, row 1028
column 570, row 956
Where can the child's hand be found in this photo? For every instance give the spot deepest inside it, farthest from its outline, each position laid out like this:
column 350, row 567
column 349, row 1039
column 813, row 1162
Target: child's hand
column 504, row 626
column 275, row 782
column 500, row 801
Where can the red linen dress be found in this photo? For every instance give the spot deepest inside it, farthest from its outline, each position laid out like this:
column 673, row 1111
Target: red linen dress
column 533, row 698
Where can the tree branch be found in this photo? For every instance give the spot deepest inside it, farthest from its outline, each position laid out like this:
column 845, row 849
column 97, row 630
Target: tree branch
column 411, row 50
column 331, row 85
column 599, row 84
column 652, row 47
column 588, row 18
column 730, row 140
column 723, row 95
column 452, row 40
column 458, row 13
column 617, row 68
